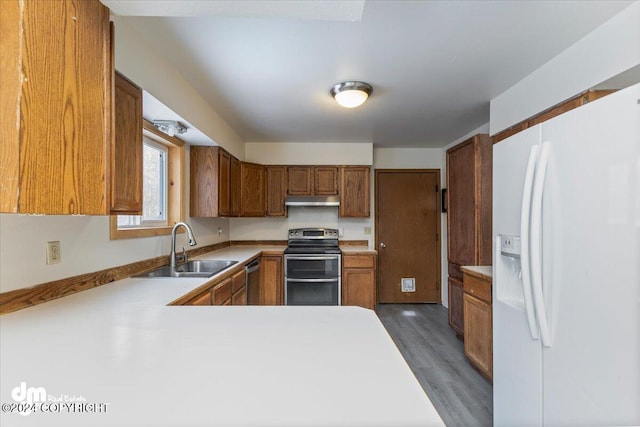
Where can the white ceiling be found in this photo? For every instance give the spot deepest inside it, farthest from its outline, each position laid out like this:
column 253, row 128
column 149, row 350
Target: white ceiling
column 434, row 65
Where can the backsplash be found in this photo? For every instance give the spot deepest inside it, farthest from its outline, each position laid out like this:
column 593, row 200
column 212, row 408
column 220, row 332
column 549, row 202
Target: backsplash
column 276, row 228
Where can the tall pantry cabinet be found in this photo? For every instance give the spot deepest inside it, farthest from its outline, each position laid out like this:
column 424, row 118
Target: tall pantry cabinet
column 469, row 170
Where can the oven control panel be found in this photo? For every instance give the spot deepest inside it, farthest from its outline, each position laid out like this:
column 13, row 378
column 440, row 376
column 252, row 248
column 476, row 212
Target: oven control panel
column 312, row 233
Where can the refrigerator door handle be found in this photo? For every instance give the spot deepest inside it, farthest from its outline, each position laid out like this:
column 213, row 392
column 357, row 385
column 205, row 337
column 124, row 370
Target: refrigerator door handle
column 524, row 239
column 536, row 244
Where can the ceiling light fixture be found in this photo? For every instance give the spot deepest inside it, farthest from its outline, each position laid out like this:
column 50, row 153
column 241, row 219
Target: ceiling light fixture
column 351, row 94
column 170, row 127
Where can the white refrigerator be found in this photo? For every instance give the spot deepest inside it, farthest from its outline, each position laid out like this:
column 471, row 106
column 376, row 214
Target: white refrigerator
column 566, row 269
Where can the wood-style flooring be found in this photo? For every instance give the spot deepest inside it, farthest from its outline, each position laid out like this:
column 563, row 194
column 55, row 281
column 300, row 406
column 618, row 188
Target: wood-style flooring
column 459, row 393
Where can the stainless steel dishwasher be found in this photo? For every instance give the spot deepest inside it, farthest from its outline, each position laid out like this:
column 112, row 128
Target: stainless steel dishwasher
column 252, row 272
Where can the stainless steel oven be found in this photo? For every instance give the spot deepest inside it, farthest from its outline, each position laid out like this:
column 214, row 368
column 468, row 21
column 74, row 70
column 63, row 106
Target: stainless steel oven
column 312, row 264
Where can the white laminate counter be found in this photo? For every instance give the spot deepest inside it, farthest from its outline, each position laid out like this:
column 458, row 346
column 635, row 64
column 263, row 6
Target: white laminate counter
column 159, row 365
column 483, row 272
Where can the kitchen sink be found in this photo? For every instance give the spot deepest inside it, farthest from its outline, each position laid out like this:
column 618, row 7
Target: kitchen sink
column 196, row 268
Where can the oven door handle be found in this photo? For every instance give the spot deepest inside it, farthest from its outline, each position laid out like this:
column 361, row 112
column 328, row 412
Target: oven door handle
column 312, row 280
column 307, row 258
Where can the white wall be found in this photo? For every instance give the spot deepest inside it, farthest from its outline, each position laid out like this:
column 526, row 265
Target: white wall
column 84, row 246
column 609, row 50
column 305, row 153
column 139, row 61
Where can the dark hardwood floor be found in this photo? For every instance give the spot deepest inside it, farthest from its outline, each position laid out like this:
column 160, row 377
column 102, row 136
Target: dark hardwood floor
column 459, row 393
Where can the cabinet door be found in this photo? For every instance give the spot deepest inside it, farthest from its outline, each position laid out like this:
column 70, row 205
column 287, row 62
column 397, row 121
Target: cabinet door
column 240, row 297
column 57, row 83
column 126, row 151
column 203, row 200
column 252, row 199
column 236, row 180
column 461, row 210
column 469, row 170
column 276, row 190
column 354, row 191
column 300, row 180
column 272, row 280
column 359, row 287
column 224, row 183
column 221, row 294
column 456, row 310
column 204, row 299
column 325, row 179
column 478, row 334
column 238, row 281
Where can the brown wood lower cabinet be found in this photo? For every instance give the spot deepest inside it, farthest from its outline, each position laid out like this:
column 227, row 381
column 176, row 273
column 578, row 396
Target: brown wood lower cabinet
column 478, row 327
column 359, row 280
column 271, row 280
column 202, row 299
column 221, row 293
column 239, row 288
column 456, row 311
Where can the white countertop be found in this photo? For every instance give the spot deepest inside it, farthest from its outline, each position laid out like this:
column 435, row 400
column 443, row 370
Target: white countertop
column 158, row 365
column 482, row 271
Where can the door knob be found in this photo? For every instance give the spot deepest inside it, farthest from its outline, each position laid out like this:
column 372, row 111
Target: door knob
column 382, row 245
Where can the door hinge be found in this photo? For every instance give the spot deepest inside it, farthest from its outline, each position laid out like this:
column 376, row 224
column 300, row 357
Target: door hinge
column 436, row 188
column 437, row 237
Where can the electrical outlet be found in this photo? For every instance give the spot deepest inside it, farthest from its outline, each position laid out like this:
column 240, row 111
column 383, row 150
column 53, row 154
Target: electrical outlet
column 53, row 252
column 367, row 230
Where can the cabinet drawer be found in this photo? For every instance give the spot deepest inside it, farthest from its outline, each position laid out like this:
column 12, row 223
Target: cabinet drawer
column 358, row 261
column 222, row 292
column 238, row 281
column 204, row 299
column 478, row 288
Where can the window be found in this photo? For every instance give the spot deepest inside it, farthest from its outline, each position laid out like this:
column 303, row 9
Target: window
column 162, row 193
column 155, row 167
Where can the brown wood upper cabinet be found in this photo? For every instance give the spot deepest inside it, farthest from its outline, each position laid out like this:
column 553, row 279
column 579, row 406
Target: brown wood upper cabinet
column 210, row 182
column 236, row 184
column 354, row 191
column 252, row 189
column 126, row 151
column 276, row 190
column 56, row 82
column 469, row 169
column 312, row 180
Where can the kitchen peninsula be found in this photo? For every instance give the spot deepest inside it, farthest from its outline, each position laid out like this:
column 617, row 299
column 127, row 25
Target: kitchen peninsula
column 159, row 365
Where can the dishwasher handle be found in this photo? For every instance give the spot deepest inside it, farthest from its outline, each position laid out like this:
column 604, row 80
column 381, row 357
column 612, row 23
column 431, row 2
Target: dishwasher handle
column 253, row 266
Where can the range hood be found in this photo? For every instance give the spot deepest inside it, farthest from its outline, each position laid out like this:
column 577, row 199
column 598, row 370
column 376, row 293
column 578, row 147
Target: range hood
column 312, row 201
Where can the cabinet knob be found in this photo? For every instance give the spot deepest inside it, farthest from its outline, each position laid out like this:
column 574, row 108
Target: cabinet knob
column 382, row 245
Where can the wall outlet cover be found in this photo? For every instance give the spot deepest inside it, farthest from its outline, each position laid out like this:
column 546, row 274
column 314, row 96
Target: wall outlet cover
column 53, row 252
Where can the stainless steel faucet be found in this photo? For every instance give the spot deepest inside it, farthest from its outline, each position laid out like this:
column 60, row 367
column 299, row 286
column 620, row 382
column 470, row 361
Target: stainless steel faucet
column 191, row 241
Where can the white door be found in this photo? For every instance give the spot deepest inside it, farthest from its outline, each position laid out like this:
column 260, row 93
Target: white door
column 591, row 264
column 517, row 356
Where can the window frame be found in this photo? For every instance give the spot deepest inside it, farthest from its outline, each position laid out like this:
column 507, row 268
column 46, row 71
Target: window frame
column 175, row 184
